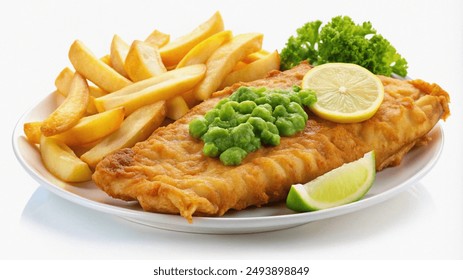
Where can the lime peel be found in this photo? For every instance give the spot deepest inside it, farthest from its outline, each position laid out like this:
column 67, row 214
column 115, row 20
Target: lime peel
column 345, row 184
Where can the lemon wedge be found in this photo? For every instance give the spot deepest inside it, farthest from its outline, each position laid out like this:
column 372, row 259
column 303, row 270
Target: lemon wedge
column 346, row 93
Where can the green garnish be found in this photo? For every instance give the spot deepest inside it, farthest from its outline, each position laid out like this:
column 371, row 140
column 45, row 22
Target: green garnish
column 249, row 118
column 341, row 40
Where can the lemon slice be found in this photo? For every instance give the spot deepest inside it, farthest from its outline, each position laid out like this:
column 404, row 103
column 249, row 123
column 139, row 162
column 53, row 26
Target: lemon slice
column 346, row 92
column 342, row 185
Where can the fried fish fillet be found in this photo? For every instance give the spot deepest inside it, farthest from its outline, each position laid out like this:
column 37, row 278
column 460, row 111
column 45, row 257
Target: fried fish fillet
column 168, row 173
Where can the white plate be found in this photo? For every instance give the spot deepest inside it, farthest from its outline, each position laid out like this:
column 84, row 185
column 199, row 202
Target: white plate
column 389, row 183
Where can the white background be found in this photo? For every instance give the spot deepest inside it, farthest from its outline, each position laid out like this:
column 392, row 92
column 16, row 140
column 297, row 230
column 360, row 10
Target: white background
column 425, row 222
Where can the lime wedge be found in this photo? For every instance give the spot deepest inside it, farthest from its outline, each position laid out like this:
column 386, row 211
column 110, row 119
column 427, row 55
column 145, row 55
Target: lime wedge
column 345, row 184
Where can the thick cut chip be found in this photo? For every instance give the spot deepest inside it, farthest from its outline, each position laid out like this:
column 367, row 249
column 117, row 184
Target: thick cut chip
column 254, row 70
column 176, row 107
column 175, row 50
column 202, row 51
column 61, row 161
column 143, row 61
column 63, row 84
column 92, row 128
column 223, row 60
column 70, row 111
column 32, row 131
column 255, row 56
column 135, row 128
column 190, row 99
column 119, row 50
column 157, row 39
column 240, row 65
column 106, row 59
column 92, row 68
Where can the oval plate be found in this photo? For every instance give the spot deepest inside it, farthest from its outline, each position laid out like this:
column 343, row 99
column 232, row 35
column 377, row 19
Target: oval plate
column 389, row 183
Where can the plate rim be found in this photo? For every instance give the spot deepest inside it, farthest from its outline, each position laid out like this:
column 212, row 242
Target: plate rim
column 220, row 225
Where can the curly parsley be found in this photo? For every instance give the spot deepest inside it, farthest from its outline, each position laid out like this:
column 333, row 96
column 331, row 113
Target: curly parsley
column 341, row 40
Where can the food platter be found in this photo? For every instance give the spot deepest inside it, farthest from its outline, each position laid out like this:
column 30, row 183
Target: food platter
column 388, row 184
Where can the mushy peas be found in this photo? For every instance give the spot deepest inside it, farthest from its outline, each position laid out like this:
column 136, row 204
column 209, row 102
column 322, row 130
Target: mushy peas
column 249, row 118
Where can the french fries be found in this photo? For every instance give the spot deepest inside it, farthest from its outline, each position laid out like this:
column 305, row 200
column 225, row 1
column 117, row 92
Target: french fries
column 118, row 54
column 90, row 129
column 62, row 162
column 70, row 111
column 202, row 51
column 94, row 69
column 164, row 87
column 143, row 61
column 190, row 99
column 223, row 59
column 176, row 107
column 254, row 70
column 157, row 39
column 175, row 50
column 106, row 59
column 32, row 131
column 135, row 128
column 63, row 81
column 255, row 56
column 63, row 84
column 135, row 87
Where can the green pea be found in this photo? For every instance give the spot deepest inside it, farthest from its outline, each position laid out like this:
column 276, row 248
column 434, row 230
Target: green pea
column 276, row 99
column 223, row 143
column 295, row 108
column 217, row 122
column 294, row 97
column 267, row 107
column 260, row 91
column 285, row 126
column 210, row 149
column 215, row 132
column 234, row 104
column 258, row 124
column 279, row 111
column 272, row 128
column 198, row 127
column 219, row 136
column 308, row 97
column 242, row 134
column 242, row 118
column 221, row 102
column 261, row 100
column 252, row 145
column 244, row 93
column 270, row 138
column 211, row 115
column 233, row 156
column 246, row 107
column 298, row 121
column 226, row 112
column 296, row 88
column 263, row 112
column 233, row 122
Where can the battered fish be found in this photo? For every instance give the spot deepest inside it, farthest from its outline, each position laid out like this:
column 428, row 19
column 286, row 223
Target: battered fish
column 168, row 173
